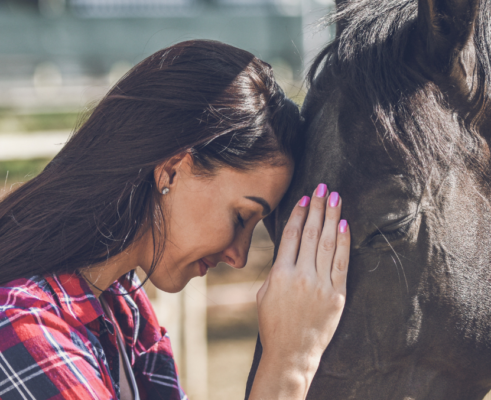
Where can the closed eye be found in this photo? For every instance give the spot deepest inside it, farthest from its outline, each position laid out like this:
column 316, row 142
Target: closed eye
column 390, row 233
column 240, row 220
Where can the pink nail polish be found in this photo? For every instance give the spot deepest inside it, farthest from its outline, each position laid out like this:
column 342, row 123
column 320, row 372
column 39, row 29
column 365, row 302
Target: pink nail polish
column 321, row 190
column 343, row 226
column 334, row 199
column 304, row 201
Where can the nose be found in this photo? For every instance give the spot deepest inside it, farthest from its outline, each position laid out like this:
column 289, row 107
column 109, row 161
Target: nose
column 236, row 254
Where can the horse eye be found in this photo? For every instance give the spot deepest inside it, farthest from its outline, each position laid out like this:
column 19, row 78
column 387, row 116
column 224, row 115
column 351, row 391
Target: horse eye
column 390, row 233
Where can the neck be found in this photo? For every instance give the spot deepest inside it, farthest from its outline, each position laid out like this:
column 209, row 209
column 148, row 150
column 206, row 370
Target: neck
column 100, row 276
column 410, row 382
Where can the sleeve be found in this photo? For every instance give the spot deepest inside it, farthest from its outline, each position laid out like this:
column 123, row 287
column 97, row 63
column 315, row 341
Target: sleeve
column 42, row 357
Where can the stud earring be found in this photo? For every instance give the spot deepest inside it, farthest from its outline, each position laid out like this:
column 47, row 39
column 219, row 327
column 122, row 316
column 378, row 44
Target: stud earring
column 165, row 190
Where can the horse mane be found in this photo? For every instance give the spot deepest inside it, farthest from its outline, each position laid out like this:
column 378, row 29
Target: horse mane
column 369, row 60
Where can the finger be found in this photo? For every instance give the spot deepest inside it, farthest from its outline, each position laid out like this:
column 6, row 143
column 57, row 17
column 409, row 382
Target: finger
column 313, row 228
column 327, row 243
column 290, row 240
column 339, row 270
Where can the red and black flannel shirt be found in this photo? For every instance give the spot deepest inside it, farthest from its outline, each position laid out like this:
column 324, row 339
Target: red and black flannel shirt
column 56, row 343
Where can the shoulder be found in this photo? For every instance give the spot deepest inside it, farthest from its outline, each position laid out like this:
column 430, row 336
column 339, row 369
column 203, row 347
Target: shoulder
column 42, row 346
column 31, row 323
column 29, row 307
column 25, row 293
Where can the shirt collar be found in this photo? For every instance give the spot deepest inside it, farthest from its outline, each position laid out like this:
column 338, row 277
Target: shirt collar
column 75, row 297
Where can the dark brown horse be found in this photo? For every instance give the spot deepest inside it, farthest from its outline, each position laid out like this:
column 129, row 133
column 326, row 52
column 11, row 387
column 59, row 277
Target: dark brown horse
column 398, row 120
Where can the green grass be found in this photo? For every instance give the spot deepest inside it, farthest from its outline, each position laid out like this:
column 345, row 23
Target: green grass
column 46, row 122
column 11, row 121
column 14, row 171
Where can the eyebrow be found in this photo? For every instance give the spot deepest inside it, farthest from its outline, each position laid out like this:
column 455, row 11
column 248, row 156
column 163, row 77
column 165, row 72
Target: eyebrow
column 261, row 201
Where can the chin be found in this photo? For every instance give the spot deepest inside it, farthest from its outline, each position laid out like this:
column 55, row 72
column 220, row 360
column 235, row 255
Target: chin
column 168, row 285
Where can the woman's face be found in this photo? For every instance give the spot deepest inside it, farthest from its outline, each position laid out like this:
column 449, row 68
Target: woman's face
column 210, row 219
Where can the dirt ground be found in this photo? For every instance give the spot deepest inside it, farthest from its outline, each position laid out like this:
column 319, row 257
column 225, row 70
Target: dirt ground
column 229, row 361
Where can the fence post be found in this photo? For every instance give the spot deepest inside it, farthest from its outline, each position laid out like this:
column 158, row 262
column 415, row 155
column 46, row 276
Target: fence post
column 183, row 314
column 194, row 340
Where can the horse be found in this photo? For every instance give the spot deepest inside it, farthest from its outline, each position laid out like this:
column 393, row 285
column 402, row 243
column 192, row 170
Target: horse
column 397, row 119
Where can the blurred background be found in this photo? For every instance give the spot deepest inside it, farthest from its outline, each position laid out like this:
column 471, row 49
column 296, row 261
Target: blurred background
column 59, row 57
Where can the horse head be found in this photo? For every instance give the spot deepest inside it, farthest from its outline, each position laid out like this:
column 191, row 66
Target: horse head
column 398, row 121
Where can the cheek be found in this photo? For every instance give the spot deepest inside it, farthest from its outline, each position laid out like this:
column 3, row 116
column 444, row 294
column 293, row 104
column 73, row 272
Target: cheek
column 205, row 233
column 220, row 236
column 200, row 226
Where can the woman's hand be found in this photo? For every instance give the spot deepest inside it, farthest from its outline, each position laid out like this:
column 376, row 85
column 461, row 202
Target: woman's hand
column 302, row 300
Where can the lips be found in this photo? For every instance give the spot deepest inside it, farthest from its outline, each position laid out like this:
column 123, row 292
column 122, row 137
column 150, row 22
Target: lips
column 204, row 266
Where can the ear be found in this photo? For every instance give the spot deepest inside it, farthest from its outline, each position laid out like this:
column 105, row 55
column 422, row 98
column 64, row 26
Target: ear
column 444, row 28
column 166, row 174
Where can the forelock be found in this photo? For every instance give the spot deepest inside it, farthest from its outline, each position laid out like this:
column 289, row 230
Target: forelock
column 367, row 61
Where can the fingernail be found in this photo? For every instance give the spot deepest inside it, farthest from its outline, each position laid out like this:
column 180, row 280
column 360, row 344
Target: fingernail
column 334, row 199
column 343, row 226
column 321, row 190
column 304, row 201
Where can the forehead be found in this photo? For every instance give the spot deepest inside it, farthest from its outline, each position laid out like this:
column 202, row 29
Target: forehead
column 263, row 179
column 342, row 146
column 343, row 150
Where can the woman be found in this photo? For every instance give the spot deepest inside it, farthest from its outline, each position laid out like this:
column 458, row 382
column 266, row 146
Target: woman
column 171, row 172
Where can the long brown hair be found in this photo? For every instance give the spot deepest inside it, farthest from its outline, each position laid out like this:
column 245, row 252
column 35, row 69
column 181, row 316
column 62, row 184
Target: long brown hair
column 98, row 194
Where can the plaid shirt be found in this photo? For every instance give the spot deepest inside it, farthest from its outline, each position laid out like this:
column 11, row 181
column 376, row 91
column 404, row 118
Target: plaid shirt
column 56, row 343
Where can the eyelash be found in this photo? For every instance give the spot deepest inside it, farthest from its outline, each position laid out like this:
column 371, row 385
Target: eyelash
column 392, row 235
column 397, row 233
column 240, row 220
